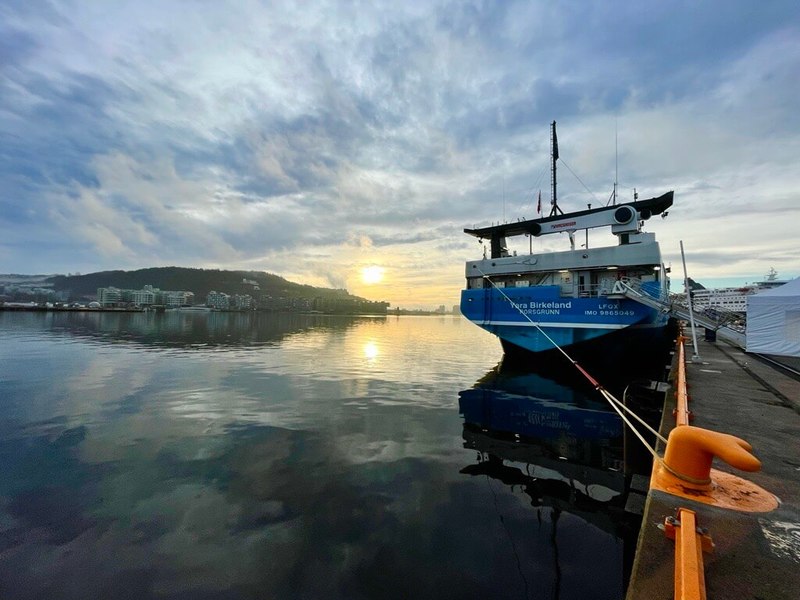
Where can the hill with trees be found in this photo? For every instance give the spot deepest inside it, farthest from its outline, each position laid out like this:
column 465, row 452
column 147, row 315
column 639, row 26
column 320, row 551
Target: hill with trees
column 199, row 281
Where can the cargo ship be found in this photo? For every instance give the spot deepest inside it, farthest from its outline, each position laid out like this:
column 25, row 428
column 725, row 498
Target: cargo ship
column 572, row 299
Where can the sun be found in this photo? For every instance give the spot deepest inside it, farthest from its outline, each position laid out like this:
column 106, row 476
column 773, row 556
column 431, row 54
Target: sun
column 372, row 274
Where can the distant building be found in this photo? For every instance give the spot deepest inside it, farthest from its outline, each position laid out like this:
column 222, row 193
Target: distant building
column 147, row 296
column 109, row 297
column 143, row 297
column 174, row 299
column 241, row 301
column 218, row 300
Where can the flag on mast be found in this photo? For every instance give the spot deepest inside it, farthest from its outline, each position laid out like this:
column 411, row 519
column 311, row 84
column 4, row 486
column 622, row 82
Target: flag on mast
column 539, row 205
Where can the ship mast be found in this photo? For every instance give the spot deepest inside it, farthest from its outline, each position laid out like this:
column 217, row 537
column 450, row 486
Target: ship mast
column 616, row 162
column 553, row 158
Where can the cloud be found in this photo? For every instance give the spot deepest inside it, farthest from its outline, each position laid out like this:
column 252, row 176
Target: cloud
column 238, row 135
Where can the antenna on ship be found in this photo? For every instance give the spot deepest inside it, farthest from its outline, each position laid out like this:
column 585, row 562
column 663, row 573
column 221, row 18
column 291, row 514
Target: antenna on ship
column 616, row 162
column 554, row 157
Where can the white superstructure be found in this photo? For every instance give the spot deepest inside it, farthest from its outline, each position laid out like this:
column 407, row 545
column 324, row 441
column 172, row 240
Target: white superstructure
column 733, row 299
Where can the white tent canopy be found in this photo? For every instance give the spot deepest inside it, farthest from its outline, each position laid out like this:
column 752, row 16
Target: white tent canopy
column 773, row 320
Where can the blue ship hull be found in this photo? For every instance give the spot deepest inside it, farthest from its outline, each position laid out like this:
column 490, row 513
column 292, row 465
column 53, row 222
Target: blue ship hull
column 566, row 321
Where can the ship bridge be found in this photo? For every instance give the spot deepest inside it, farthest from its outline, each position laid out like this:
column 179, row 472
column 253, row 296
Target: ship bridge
column 625, row 221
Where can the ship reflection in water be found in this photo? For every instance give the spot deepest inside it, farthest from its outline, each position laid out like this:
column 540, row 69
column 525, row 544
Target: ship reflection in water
column 561, row 451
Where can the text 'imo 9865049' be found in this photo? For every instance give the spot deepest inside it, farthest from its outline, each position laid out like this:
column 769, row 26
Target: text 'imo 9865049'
column 534, row 301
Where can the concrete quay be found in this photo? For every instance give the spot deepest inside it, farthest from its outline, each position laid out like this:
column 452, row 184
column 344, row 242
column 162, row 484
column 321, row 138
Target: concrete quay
column 756, row 554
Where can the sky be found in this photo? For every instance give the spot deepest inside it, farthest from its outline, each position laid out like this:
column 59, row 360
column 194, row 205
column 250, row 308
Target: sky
column 348, row 144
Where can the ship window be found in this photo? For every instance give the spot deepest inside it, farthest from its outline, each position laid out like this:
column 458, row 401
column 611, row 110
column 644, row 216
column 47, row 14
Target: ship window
column 474, row 283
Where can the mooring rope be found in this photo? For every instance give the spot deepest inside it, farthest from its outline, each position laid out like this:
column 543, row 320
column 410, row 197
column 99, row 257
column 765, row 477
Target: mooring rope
column 614, row 402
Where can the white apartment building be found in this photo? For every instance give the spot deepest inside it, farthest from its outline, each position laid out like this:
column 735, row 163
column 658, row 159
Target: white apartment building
column 218, row 300
column 175, row 299
column 109, row 296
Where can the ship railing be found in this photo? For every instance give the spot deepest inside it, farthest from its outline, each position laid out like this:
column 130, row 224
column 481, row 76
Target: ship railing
column 715, row 314
column 710, row 317
column 634, row 288
column 723, row 323
column 593, row 290
column 648, row 293
column 605, row 288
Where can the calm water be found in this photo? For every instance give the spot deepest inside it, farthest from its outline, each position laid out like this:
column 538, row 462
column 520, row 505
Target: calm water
column 258, row 456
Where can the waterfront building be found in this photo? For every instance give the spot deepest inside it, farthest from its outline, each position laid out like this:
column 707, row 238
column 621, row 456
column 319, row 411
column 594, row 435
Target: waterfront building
column 174, row 299
column 147, row 296
column 143, row 297
column 218, row 300
column 109, row 297
column 241, row 301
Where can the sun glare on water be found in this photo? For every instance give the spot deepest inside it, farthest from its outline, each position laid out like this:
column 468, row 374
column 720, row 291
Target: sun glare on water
column 372, row 274
column 371, row 351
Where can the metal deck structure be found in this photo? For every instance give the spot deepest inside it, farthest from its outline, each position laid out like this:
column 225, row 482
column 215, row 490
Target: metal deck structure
column 718, row 321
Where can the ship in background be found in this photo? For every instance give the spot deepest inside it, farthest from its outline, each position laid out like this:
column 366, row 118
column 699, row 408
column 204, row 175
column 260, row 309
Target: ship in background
column 571, row 299
column 730, row 299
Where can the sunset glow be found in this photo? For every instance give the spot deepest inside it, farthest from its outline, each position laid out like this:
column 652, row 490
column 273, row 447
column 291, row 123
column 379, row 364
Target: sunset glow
column 372, row 274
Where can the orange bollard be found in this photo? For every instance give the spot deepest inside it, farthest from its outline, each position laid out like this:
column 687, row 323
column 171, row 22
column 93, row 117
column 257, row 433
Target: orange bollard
column 690, row 451
column 686, row 470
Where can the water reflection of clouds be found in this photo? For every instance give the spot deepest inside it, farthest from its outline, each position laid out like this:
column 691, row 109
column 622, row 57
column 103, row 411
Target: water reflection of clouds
column 281, row 513
column 144, row 398
column 303, row 468
column 104, row 378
